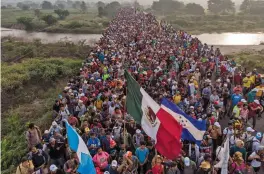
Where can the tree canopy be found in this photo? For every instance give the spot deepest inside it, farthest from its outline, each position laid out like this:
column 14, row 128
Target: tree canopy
column 46, row 5
column 49, row 19
column 62, row 13
column 167, row 6
column 195, row 9
column 109, row 10
column 218, row 6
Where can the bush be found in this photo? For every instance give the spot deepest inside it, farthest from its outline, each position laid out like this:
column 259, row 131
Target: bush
column 49, row 19
column 26, row 21
column 15, row 75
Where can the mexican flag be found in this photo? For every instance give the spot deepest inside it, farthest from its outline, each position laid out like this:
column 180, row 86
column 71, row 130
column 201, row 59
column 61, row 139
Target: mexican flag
column 155, row 121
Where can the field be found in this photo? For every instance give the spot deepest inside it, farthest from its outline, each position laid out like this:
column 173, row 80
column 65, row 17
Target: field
column 89, row 22
column 216, row 23
column 76, row 22
column 29, row 87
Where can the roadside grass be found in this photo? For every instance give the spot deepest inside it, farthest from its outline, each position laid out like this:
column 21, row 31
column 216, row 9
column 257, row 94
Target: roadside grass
column 14, row 49
column 216, row 23
column 29, row 89
column 250, row 59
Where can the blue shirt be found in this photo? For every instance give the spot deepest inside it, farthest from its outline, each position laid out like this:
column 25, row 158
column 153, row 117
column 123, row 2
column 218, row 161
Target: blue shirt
column 93, row 142
column 142, row 154
column 235, row 99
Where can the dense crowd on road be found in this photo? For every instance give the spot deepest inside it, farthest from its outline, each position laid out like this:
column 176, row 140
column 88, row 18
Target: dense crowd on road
column 167, row 63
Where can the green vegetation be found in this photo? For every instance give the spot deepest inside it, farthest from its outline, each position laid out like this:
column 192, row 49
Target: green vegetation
column 14, row 50
column 29, row 88
column 216, row 23
column 250, row 59
column 87, row 22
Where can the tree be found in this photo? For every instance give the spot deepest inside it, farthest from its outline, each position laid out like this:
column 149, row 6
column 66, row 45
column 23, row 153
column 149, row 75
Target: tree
column 62, row 13
column 46, row 5
column 100, row 4
column 37, row 13
column 61, row 6
column 100, row 11
column 20, row 5
column 27, row 22
column 195, row 9
column 25, row 7
column 49, row 19
column 245, row 6
column 83, row 7
column 111, row 9
column 167, row 6
column 76, row 5
column 217, row 6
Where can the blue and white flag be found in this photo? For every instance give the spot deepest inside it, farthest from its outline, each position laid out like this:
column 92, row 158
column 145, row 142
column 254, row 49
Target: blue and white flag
column 77, row 144
column 192, row 129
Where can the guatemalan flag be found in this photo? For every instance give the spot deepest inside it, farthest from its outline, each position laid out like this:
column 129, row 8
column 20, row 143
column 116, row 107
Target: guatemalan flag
column 77, row 144
column 192, row 129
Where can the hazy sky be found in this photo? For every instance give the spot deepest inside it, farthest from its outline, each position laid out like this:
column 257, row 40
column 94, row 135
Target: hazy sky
column 143, row 2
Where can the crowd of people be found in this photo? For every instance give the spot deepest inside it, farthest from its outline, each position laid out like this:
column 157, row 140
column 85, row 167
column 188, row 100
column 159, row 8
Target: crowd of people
column 167, row 63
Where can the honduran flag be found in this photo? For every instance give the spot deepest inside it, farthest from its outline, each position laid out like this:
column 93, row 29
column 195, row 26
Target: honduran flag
column 192, row 129
column 155, row 121
column 77, row 144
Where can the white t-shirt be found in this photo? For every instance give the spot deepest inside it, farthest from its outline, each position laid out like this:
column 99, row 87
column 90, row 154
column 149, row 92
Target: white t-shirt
column 255, row 163
column 228, row 132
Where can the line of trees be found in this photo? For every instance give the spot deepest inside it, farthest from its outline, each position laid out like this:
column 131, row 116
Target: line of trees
column 213, row 6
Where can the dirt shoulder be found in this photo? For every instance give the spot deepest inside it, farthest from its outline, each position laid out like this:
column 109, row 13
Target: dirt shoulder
column 232, row 49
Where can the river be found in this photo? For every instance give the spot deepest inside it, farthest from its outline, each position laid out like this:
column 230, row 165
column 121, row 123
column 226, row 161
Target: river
column 211, row 39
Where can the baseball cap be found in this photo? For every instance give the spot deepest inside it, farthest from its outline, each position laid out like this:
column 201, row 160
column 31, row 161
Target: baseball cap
column 217, row 124
column 114, row 163
column 249, row 129
column 138, row 131
column 192, row 107
column 256, row 101
column 53, row 168
column 259, row 135
column 187, row 161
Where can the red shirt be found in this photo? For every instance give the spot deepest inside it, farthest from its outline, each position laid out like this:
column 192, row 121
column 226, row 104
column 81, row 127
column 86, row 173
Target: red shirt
column 157, row 169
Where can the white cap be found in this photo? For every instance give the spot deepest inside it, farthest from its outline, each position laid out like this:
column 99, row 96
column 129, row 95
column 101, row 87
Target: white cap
column 191, row 107
column 54, row 123
column 106, row 172
column 244, row 101
column 255, row 89
column 114, row 163
column 46, row 131
column 138, row 131
column 82, row 94
column 256, row 101
column 53, row 168
column 217, row 124
column 249, row 129
column 187, row 161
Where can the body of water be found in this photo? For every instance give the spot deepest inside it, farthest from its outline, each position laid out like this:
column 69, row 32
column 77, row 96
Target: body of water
column 211, row 39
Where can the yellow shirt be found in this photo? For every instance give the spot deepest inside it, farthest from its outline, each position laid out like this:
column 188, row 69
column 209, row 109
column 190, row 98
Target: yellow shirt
column 195, row 84
column 246, row 82
column 260, row 91
column 98, row 104
column 177, row 99
column 253, row 78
